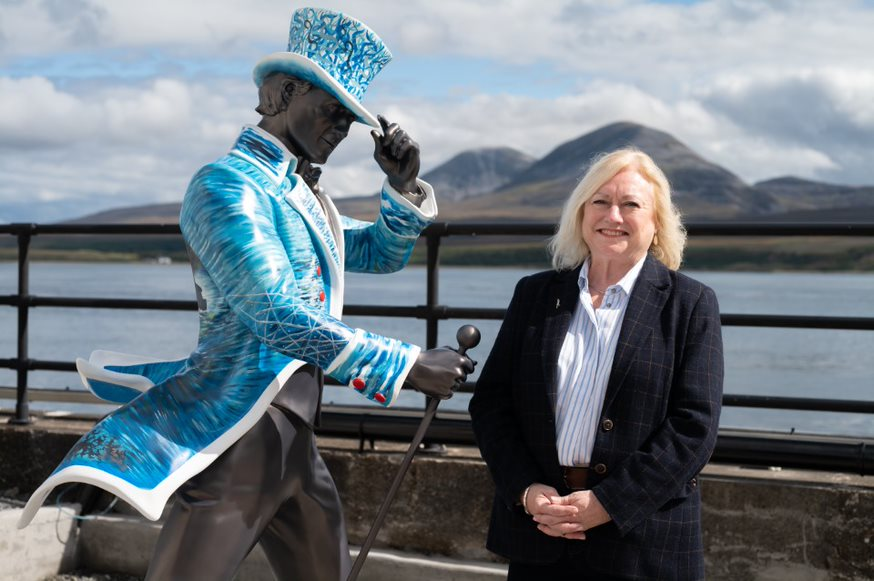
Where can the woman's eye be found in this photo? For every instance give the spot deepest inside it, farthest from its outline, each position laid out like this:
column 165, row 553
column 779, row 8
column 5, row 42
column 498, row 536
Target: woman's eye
column 599, row 202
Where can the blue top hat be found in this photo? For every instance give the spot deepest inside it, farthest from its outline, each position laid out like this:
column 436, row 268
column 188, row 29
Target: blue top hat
column 335, row 52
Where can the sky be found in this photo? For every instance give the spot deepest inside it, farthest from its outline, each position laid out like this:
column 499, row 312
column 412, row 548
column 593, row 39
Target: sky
column 112, row 103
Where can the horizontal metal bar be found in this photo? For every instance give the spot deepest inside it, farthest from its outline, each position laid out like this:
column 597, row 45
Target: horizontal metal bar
column 106, row 303
column 40, row 364
column 394, row 428
column 99, row 229
column 799, row 403
column 490, row 229
column 843, row 454
column 48, row 365
column 855, row 455
column 423, row 312
column 437, row 311
column 729, row 320
column 417, row 312
column 732, row 228
column 727, row 228
column 799, row 322
column 728, row 400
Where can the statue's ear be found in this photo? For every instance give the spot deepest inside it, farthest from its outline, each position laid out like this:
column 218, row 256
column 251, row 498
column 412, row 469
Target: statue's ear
column 287, row 91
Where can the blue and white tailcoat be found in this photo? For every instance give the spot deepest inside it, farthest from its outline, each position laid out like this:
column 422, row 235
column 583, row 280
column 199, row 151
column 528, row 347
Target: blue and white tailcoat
column 268, row 259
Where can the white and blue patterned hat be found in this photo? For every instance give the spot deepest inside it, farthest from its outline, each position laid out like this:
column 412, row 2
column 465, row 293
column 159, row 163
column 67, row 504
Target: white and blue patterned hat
column 335, row 52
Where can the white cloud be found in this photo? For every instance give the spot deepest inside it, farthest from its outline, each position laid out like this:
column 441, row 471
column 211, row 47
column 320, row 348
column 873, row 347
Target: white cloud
column 159, row 111
column 42, row 26
column 116, row 146
column 829, row 112
column 33, row 112
column 762, row 88
column 806, row 104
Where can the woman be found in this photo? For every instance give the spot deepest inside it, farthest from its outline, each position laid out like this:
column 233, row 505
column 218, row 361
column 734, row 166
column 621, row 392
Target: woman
column 599, row 403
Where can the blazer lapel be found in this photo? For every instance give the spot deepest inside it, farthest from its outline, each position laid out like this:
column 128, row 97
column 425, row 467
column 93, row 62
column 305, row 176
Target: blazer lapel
column 641, row 317
column 561, row 300
column 305, row 203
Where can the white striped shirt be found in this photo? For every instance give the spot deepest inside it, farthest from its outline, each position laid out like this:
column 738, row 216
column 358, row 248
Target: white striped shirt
column 584, row 365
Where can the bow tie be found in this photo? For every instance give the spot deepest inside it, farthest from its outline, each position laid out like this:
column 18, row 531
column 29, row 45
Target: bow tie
column 310, row 174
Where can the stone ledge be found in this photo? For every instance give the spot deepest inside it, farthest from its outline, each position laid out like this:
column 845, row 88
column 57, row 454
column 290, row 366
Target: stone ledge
column 46, row 547
column 759, row 524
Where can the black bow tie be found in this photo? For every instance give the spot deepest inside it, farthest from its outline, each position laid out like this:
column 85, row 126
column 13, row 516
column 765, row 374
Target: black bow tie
column 310, row 174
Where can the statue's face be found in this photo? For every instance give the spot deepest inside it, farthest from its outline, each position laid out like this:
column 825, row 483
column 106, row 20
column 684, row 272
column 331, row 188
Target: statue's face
column 315, row 123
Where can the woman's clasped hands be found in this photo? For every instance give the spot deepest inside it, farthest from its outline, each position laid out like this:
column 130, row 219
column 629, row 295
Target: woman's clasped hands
column 568, row 516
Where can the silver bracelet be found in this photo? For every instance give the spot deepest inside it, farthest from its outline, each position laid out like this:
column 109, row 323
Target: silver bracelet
column 525, row 501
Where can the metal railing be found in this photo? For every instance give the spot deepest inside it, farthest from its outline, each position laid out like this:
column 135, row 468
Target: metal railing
column 856, row 455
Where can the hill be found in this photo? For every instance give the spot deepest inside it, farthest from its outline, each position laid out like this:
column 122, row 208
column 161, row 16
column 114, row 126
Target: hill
column 701, row 188
column 476, row 172
column 506, row 184
column 147, row 214
column 796, row 194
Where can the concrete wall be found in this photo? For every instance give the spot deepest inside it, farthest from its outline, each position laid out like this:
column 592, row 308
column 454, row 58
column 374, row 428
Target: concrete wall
column 46, row 547
column 759, row 525
column 788, row 524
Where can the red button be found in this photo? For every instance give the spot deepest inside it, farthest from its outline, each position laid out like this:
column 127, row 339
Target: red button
column 322, row 296
column 358, row 383
column 319, row 270
column 379, row 397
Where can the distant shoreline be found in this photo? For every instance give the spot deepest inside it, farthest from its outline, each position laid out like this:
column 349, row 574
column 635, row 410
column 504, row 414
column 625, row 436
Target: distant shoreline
column 809, row 255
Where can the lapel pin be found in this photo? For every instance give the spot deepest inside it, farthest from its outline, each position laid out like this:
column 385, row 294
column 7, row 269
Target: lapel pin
column 557, row 303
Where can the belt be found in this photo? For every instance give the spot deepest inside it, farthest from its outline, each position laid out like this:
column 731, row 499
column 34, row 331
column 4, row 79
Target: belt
column 576, row 477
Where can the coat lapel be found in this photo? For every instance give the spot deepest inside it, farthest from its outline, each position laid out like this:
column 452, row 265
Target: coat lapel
column 561, row 300
column 644, row 309
column 305, row 203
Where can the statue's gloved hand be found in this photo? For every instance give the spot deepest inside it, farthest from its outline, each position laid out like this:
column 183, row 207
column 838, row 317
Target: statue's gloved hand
column 437, row 372
column 397, row 155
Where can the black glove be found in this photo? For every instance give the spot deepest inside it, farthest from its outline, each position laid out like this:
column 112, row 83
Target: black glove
column 397, row 155
column 437, row 372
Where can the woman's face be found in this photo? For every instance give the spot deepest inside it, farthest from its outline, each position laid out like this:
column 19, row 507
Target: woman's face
column 619, row 220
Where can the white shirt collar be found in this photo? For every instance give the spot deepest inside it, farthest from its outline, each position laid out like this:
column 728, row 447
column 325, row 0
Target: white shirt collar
column 626, row 283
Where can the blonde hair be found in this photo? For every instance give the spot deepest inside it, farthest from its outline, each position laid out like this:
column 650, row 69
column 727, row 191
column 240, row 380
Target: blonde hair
column 567, row 247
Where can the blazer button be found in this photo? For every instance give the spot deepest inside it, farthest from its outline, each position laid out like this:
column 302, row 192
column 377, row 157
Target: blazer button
column 607, row 424
column 322, row 296
column 693, row 483
column 600, row 469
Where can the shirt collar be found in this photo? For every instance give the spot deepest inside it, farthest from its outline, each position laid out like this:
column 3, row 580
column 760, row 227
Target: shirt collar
column 626, row 283
column 265, row 151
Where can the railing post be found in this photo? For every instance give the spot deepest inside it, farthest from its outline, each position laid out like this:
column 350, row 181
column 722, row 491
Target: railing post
column 432, row 283
column 22, row 406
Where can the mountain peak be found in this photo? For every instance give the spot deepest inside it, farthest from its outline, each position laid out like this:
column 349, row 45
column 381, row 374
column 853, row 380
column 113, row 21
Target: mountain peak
column 700, row 187
column 477, row 171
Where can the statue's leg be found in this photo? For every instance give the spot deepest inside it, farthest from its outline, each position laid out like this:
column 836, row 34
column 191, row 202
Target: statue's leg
column 218, row 515
column 307, row 537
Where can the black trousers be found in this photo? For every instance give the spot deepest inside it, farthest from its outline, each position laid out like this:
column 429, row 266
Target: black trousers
column 272, row 487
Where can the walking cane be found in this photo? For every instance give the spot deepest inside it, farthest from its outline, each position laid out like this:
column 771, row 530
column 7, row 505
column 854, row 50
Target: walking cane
column 468, row 337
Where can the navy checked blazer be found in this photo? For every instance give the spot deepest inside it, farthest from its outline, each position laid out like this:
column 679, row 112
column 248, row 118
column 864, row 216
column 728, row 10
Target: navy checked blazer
column 663, row 401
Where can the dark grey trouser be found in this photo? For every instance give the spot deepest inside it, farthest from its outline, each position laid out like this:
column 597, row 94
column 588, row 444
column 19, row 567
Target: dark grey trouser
column 271, row 486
